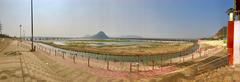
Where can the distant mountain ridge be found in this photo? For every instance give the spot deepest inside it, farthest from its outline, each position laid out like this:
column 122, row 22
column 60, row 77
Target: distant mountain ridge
column 131, row 36
column 99, row 35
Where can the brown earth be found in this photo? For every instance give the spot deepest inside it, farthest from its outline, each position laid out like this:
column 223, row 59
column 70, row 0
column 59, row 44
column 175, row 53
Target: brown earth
column 155, row 48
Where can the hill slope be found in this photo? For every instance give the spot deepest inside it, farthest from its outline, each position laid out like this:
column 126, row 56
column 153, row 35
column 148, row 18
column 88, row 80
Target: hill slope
column 100, row 35
column 221, row 34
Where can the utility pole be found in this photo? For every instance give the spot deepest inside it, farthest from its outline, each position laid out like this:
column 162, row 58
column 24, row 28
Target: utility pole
column 24, row 35
column 0, row 28
column 32, row 26
column 20, row 36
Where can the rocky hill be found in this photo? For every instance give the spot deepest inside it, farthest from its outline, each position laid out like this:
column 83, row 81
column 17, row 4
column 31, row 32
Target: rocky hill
column 221, row 34
column 100, row 35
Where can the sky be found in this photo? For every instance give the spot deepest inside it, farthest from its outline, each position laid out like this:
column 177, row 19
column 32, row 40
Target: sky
column 146, row 18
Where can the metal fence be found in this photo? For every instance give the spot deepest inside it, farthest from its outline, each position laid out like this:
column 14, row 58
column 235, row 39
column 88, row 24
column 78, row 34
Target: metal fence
column 123, row 63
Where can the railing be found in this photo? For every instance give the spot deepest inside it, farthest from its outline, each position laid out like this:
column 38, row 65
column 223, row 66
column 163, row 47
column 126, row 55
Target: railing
column 213, row 64
column 220, row 72
column 129, row 58
column 123, row 63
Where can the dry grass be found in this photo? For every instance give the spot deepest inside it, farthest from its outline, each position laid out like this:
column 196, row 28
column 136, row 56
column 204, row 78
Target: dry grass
column 148, row 48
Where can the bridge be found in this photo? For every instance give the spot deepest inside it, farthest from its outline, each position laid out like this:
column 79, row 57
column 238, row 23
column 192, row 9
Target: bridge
column 77, row 38
column 47, row 38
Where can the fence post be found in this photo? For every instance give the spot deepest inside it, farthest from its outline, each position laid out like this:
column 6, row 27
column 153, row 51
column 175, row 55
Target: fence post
column 130, row 66
column 171, row 62
column 88, row 61
column 192, row 56
column 161, row 62
column 138, row 64
column 153, row 64
column 37, row 48
column 42, row 48
column 107, row 64
column 63, row 53
column 74, row 58
column 48, row 50
column 180, row 57
column 200, row 52
column 52, row 51
column 55, row 52
column 204, row 53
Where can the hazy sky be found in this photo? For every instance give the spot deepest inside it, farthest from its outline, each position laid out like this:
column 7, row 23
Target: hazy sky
column 147, row 18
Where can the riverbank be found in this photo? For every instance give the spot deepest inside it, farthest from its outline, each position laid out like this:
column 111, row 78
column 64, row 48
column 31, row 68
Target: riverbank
column 130, row 48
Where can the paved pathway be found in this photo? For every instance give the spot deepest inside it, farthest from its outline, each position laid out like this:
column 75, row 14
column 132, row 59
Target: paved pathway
column 17, row 64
